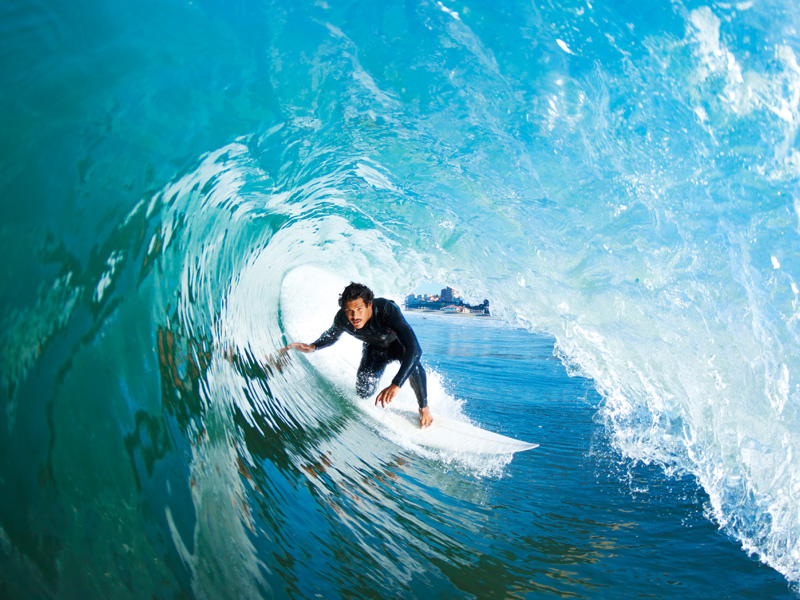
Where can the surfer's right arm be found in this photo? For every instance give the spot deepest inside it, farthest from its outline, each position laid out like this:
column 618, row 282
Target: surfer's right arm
column 325, row 340
column 304, row 348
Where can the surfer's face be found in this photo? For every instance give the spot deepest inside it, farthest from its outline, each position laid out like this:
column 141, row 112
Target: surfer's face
column 357, row 312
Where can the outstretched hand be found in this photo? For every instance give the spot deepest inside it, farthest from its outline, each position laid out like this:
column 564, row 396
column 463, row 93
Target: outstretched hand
column 304, row 348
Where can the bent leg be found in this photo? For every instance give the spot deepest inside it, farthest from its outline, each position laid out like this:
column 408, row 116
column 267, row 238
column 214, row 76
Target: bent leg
column 373, row 363
column 417, row 378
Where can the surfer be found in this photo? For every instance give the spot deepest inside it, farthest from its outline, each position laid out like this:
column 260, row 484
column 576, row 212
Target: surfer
column 387, row 337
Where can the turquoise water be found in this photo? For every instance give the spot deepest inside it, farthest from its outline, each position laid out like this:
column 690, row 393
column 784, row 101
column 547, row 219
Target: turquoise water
column 620, row 180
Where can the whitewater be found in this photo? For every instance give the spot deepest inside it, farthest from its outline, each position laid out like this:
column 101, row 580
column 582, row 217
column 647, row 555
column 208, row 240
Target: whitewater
column 619, row 180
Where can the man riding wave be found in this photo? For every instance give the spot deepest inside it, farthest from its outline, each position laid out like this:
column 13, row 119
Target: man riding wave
column 387, row 337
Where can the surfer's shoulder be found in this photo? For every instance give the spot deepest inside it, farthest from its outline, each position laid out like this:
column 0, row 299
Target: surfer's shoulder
column 389, row 313
column 384, row 306
column 381, row 303
column 341, row 318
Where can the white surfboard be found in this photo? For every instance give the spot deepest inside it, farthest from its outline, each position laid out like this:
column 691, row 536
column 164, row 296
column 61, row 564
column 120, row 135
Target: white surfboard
column 446, row 433
column 308, row 303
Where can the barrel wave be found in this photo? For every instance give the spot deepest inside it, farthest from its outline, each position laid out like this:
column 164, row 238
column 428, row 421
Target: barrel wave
column 620, row 179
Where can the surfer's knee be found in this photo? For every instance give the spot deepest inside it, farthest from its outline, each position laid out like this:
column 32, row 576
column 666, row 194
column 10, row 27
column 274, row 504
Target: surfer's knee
column 365, row 386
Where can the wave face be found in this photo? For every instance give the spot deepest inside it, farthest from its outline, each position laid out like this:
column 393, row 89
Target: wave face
column 623, row 179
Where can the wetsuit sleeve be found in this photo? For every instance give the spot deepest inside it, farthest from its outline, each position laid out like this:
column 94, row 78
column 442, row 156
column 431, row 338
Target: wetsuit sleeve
column 333, row 334
column 407, row 337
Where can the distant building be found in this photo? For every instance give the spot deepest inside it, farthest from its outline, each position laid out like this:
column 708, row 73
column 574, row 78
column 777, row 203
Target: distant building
column 448, row 301
column 449, row 295
column 422, row 301
column 453, row 308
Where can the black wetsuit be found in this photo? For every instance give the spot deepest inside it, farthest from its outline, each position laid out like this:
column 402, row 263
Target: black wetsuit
column 387, row 337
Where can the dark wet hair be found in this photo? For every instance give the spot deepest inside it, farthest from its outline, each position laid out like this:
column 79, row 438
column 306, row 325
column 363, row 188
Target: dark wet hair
column 354, row 291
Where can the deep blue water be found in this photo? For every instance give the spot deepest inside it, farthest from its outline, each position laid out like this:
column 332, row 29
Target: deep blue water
column 573, row 513
column 618, row 179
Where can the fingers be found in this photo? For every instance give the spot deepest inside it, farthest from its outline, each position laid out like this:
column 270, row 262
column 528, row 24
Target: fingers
column 385, row 397
column 305, row 348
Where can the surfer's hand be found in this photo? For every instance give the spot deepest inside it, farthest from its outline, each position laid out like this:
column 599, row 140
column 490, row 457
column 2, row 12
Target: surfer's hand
column 304, row 348
column 425, row 418
column 387, row 395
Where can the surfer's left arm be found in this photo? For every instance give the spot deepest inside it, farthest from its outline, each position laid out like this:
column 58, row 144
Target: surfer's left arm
column 407, row 337
column 411, row 356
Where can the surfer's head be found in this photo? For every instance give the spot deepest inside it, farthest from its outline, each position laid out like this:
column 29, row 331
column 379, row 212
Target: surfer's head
column 356, row 300
column 355, row 291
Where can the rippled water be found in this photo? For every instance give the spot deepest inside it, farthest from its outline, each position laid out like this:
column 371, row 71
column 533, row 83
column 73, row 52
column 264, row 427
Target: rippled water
column 620, row 178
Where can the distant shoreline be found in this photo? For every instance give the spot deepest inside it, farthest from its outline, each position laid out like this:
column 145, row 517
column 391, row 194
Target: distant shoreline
column 449, row 313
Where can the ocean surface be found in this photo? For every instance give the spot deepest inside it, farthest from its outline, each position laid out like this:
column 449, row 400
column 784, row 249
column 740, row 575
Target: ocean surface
column 619, row 180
